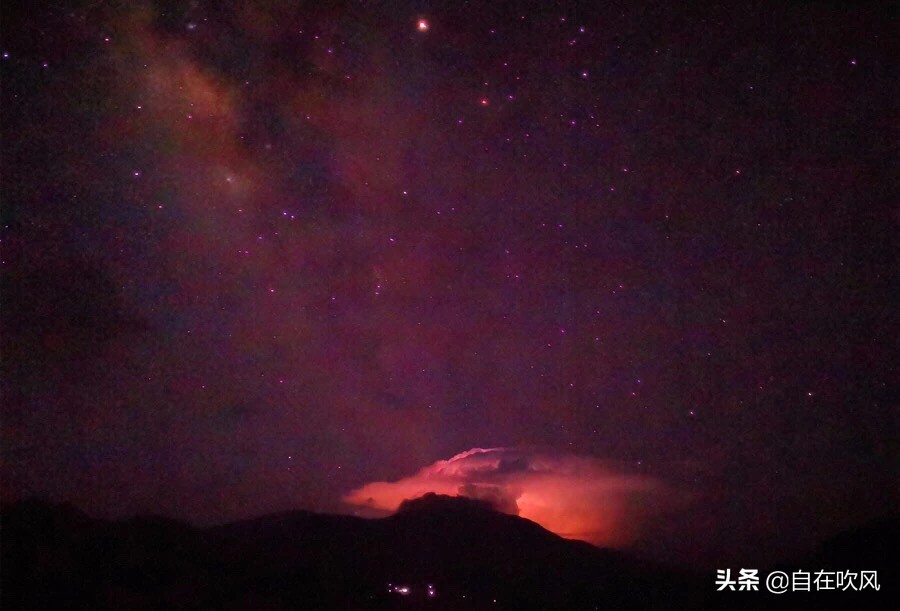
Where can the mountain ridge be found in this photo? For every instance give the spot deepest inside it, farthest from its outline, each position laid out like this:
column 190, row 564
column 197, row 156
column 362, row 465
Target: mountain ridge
column 435, row 552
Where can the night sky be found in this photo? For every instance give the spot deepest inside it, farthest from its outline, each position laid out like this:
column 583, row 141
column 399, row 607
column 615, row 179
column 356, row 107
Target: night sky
column 265, row 255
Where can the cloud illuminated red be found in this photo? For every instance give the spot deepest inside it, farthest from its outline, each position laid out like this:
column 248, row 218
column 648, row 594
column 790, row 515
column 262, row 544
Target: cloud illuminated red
column 576, row 497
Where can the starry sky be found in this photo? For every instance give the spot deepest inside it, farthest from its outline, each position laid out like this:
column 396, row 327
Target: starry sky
column 260, row 255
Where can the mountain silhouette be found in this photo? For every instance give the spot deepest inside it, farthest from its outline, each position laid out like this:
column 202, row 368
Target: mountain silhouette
column 435, row 552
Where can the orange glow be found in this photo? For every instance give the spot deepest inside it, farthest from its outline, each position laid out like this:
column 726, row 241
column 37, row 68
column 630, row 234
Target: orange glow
column 574, row 497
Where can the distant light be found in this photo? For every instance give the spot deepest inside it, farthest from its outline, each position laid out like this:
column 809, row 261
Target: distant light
column 422, row 25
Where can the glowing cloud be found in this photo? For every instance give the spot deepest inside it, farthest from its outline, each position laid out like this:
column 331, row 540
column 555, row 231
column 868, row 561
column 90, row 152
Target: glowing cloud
column 575, row 497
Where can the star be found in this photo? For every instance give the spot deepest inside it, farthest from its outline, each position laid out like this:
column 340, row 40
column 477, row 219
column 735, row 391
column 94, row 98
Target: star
column 237, row 173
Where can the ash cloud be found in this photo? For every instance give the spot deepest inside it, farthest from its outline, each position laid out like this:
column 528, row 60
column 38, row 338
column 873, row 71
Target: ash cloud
column 576, row 497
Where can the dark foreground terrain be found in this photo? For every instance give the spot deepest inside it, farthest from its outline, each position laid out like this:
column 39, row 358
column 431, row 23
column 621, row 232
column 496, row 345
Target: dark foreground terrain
column 437, row 553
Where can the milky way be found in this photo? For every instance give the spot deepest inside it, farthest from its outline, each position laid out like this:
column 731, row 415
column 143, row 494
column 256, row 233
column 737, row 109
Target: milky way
column 258, row 255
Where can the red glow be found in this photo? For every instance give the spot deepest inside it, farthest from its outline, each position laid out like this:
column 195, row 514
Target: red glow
column 575, row 497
